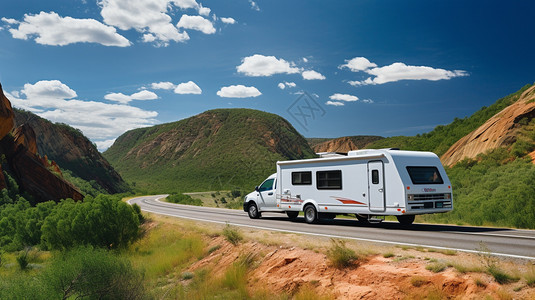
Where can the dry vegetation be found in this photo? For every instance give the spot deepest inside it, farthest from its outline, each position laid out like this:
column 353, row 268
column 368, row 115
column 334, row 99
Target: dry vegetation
column 193, row 260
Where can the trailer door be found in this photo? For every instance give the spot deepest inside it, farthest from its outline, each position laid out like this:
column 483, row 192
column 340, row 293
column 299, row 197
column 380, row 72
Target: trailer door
column 376, row 186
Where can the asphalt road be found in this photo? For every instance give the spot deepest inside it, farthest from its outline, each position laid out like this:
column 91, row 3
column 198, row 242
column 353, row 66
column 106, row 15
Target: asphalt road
column 500, row 241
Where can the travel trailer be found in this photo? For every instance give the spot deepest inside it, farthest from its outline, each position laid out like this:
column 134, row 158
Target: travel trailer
column 369, row 184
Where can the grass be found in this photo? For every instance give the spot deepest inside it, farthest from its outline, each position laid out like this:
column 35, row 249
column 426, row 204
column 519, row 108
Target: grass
column 165, row 249
column 418, row 281
column 480, row 283
column 500, row 276
column 436, row 267
column 232, row 234
column 388, row 255
column 341, row 256
column 529, row 276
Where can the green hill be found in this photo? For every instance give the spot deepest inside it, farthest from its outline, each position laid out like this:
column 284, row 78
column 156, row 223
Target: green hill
column 215, row 150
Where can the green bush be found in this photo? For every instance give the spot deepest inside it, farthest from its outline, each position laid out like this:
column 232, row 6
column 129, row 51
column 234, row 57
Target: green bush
column 339, row 255
column 102, row 222
column 183, row 199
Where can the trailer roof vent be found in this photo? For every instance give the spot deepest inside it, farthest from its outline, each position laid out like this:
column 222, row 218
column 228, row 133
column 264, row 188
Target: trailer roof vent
column 362, row 152
column 331, row 154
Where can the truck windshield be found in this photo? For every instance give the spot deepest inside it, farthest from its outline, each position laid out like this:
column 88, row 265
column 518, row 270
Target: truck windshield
column 425, row 175
column 267, row 185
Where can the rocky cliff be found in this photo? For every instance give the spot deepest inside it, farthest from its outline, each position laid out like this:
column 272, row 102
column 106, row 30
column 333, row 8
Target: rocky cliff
column 499, row 131
column 34, row 175
column 72, row 151
column 345, row 144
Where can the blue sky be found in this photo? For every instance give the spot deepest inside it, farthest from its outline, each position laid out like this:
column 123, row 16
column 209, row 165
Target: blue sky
column 332, row 68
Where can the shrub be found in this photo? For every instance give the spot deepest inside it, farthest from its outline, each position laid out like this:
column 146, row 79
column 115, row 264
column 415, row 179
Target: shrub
column 22, row 260
column 183, row 199
column 88, row 272
column 339, row 255
column 232, row 234
column 102, row 222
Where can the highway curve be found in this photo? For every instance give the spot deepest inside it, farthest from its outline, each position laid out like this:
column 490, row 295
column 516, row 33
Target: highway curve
column 505, row 242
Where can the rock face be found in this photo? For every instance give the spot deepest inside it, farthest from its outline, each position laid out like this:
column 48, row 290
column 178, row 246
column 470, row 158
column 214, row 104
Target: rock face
column 71, row 150
column 33, row 174
column 499, row 131
column 6, row 115
column 345, row 144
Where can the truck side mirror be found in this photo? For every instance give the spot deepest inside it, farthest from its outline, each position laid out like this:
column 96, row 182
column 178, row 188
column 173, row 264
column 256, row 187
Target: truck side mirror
column 256, row 188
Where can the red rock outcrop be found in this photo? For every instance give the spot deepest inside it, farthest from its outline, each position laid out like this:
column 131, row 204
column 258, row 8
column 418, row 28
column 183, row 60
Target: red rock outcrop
column 499, row 131
column 24, row 135
column 345, row 144
column 6, row 115
column 31, row 173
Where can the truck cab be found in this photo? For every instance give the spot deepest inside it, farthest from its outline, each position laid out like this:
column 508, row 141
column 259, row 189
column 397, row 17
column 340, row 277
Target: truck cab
column 263, row 198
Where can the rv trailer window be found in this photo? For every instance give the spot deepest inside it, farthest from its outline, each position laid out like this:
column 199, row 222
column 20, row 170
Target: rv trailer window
column 425, row 175
column 329, row 180
column 302, row 178
column 375, row 176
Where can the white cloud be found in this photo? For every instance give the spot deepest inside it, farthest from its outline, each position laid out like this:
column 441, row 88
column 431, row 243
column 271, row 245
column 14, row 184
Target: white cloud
column 10, row 21
column 305, row 60
column 254, row 6
column 188, row 88
column 312, row 75
column 358, row 64
column 103, row 145
column 334, row 103
column 343, row 97
column 204, row 11
column 228, row 20
column 286, row 84
column 122, row 98
column 52, row 29
column 260, row 65
column 48, row 89
column 396, row 72
column 196, row 23
column 367, row 101
column 149, row 17
column 164, row 85
column 99, row 121
column 238, row 91
column 400, row 71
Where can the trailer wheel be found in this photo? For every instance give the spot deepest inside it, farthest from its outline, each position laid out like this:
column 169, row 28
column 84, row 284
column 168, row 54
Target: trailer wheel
column 406, row 219
column 252, row 211
column 292, row 214
column 311, row 215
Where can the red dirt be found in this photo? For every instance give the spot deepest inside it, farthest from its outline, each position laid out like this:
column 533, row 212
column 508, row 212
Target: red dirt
column 283, row 269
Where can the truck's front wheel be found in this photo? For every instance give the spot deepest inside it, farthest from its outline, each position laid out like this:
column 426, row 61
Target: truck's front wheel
column 311, row 215
column 252, row 211
column 406, row 219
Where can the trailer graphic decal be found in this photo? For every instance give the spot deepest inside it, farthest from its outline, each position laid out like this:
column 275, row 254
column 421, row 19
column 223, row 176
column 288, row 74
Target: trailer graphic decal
column 289, row 200
column 348, row 201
